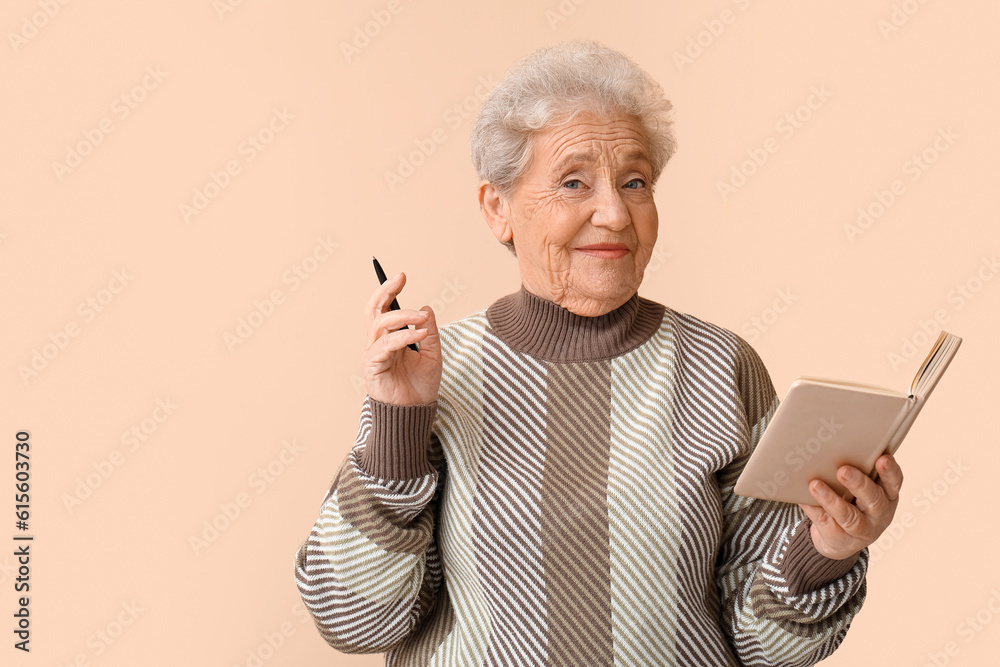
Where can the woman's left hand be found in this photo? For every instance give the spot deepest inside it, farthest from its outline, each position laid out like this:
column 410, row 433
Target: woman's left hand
column 841, row 529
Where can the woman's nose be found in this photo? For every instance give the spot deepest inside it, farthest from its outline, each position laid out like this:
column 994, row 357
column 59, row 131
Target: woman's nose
column 609, row 208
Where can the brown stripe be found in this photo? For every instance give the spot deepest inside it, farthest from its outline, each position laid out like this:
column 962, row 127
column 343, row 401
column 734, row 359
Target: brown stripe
column 766, row 605
column 574, row 518
column 506, row 527
column 379, row 523
column 419, row 649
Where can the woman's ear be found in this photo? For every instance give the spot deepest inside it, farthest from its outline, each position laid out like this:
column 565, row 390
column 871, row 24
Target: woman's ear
column 495, row 212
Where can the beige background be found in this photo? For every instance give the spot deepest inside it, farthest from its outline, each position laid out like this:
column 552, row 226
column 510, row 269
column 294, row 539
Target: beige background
column 889, row 90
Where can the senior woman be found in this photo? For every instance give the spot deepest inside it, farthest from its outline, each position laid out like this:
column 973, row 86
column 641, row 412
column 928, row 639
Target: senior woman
column 549, row 481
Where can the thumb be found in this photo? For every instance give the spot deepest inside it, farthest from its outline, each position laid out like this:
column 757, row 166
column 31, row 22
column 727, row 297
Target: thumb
column 813, row 512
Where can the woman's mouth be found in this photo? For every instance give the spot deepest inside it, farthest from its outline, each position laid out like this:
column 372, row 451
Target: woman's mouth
column 605, row 250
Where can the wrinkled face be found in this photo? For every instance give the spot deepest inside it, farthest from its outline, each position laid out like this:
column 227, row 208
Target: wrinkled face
column 582, row 216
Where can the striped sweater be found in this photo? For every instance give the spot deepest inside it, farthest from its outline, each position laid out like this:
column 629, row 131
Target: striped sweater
column 568, row 500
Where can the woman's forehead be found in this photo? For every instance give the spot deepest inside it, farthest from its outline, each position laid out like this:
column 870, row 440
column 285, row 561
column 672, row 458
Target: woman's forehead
column 589, row 141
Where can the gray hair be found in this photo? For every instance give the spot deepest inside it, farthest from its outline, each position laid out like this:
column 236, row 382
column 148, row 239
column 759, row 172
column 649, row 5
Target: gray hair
column 551, row 87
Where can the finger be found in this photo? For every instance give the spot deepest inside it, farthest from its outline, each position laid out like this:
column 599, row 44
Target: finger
column 396, row 320
column 383, row 348
column 432, row 343
column 829, row 530
column 890, row 476
column 850, row 519
column 870, row 497
column 814, row 512
column 382, row 296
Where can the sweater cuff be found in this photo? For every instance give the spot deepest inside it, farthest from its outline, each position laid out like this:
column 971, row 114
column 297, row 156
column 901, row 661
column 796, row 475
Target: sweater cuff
column 805, row 569
column 397, row 443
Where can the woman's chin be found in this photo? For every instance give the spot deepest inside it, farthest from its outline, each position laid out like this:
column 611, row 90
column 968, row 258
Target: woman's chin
column 609, row 283
column 599, row 298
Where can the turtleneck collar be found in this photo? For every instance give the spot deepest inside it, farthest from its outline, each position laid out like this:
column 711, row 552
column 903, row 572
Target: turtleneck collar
column 544, row 329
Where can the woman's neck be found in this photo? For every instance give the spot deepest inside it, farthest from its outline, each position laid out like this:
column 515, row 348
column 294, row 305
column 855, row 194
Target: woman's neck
column 544, row 329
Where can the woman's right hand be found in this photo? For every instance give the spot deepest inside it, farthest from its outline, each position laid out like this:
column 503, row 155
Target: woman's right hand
column 393, row 373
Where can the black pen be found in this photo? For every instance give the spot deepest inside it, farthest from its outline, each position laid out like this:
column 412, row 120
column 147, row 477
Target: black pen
column 392, row 306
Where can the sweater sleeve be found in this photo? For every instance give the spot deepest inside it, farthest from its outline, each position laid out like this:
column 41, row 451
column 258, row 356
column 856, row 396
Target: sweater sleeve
column 369, row 572
column 783, row 603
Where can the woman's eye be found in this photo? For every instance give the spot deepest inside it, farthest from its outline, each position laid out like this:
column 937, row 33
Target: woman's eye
column 635, row 184
column 573, row 184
